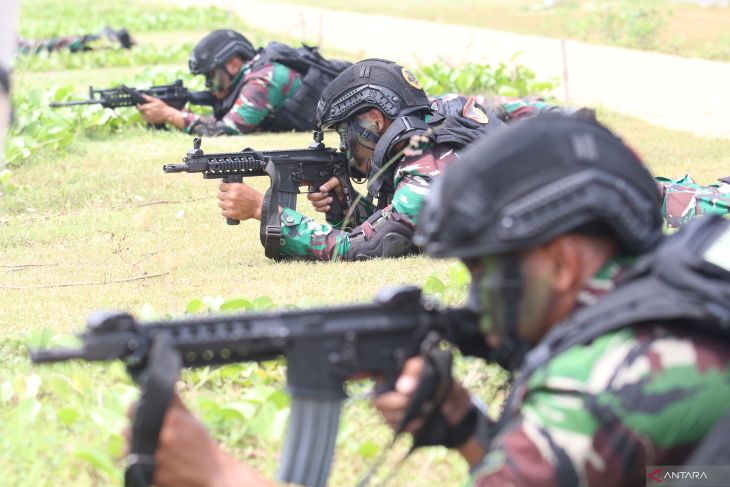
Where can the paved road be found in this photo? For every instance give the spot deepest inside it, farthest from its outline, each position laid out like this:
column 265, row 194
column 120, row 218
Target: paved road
column 680, row 93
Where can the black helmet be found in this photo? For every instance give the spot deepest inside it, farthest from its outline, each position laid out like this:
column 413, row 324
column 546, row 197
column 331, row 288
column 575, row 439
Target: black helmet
column 218, row 47
column 536, row 180
column 372, row 83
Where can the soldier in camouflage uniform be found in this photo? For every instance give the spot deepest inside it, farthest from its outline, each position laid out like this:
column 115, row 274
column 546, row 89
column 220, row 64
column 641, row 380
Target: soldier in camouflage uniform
column 683, row 199
column 375, row 106
column 511, row 109
column 86, row 42
column 255, row 89
column 622, row 365
column 620, row 362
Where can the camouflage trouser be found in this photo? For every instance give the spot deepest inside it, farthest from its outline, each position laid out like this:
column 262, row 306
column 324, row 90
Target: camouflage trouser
column 683, row 199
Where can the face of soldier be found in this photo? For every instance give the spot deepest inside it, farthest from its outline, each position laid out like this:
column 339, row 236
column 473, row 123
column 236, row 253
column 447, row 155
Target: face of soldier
column 492, row 289
column 353, row 142
column 219, row 80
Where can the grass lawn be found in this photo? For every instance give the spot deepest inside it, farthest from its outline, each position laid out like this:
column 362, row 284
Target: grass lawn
column 673, row 27
column 104, row 211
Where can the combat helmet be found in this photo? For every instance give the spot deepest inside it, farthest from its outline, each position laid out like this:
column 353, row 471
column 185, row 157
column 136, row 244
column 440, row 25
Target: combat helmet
column 524, row 186
column 218, row 47
column 536, row 180
column 372, row 83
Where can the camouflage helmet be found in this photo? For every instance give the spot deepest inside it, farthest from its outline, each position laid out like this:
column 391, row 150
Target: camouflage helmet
column 536, row 180
column 218, row 47
column 372, row 83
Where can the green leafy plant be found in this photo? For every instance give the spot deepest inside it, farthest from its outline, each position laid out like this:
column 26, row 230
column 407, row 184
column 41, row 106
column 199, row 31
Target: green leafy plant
column 452, row 288
column 38, row 127
column 483, row 79
column 74, row 17
column 630, row 23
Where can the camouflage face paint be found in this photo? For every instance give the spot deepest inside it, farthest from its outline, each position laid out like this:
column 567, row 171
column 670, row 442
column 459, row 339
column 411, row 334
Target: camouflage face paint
column 358, row 138
column 214, row 80
column 485, row 294
column 535, row 303
column 494, row 284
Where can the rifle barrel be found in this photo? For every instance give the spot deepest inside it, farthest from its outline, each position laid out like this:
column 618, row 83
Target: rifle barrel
column 57, row 104
column 56, row 355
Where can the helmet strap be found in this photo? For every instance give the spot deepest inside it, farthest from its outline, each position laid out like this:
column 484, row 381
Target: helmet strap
column 401, row 130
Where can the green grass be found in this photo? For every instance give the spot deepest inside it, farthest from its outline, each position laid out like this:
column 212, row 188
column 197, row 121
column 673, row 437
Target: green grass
column 104, row 211
column 671, row 27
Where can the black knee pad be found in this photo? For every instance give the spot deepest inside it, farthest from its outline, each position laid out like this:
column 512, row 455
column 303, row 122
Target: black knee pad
column 379, row 237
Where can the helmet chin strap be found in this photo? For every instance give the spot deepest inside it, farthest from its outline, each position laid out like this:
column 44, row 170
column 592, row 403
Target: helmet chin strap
column 400, row 130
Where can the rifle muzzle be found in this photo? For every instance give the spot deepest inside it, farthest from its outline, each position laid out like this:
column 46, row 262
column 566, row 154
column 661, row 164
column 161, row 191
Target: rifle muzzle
column 56, row 355
column 57, row 104
column 175, row 168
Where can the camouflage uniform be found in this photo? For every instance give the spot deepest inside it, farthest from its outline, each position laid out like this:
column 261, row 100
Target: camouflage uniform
column 105, row 38
column 598, row 414
column 510, row 109
column 72, row 43
column 303, row 237
column 683, row 199
column 262, row 91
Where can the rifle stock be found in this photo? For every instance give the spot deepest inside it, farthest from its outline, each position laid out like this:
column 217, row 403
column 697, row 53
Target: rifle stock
column 323, row 347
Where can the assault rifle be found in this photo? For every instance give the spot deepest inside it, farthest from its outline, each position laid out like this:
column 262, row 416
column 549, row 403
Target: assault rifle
column 323, row 347
column 175, row 95
column 287, row 169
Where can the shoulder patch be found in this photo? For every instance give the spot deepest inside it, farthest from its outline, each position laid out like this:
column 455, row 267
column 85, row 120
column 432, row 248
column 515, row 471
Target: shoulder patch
column 719, row 252
column 473, row 112
column 411, row 79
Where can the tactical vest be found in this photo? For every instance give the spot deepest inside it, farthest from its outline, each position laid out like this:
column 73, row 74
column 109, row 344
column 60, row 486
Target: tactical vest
column 684, row 283
column 299, row 112
column 456, row 122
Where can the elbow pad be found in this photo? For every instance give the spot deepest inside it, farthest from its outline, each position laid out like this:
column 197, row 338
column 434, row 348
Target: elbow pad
column 381, row 237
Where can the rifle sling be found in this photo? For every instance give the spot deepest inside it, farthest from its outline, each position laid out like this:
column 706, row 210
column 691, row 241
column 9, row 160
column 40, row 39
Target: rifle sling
column 270, row 231
column 157, row 383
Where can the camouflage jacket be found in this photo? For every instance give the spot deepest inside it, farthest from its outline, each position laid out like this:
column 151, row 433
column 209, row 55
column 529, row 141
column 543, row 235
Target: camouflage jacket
column 683, row 199
column 510, row 109
column 598, row 414
column 262, row 91
column 303, row 237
